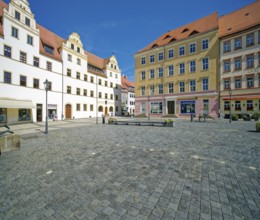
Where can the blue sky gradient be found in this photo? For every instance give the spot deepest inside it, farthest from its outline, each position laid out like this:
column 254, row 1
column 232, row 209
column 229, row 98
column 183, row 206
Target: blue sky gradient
column 123, row 27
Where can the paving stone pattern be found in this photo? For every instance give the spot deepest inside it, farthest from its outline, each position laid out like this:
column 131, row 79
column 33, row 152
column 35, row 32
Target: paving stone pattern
column 193, row 171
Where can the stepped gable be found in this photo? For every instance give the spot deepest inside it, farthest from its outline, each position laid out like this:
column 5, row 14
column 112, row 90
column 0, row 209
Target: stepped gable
column 200, row 26
column 242, row 19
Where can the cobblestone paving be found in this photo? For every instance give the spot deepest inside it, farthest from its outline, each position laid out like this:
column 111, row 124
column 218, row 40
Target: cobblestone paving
column 192, row 171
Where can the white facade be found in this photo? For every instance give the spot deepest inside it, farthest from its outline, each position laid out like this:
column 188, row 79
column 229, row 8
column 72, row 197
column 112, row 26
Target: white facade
column 22, row 93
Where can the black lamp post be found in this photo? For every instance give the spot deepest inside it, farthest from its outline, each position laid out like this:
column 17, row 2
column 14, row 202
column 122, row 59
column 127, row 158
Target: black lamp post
column 149, row 108
column 46, row 86
column 230, row 116
column 96, row 100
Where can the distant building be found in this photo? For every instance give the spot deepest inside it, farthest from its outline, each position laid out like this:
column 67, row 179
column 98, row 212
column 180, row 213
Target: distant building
column 81, row 84
column 177, row 74
column 127, row 96
column 239, row 34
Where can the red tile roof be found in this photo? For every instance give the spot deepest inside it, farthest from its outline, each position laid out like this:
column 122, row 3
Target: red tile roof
column 202, row 25
column 126, row 84
column 242, row 19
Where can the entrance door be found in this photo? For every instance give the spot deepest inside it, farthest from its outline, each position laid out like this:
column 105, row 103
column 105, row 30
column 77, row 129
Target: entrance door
column 39, row 113
column 68, row 111
column 171, row 107
column 106, row 111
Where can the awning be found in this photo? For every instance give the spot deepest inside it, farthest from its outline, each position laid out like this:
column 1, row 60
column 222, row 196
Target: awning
column 13, row 103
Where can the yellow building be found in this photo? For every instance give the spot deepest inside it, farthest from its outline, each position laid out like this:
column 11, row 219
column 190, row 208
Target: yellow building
column 240, row 61
column 177, row 74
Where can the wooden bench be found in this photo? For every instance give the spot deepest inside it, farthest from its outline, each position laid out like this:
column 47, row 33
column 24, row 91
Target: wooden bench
column 140, row 123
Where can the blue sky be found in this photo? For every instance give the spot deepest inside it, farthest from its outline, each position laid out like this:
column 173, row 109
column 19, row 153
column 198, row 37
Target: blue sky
column 123, row 27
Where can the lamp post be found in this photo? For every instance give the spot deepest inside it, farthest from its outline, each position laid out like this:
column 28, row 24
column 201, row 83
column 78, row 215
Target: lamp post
column 96, row 100
column 149, row 108
column 46, row 86
column 230, row 93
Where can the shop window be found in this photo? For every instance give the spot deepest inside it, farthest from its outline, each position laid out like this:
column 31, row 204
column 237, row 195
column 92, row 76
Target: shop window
column 249, row 105
column 227, row 105
column 3, row 115
column 237, row 106
column 187, row 107
column 24, row 115
column 156, row 108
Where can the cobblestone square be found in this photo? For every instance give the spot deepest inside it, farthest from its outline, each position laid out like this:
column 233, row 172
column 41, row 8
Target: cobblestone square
column 192, row 171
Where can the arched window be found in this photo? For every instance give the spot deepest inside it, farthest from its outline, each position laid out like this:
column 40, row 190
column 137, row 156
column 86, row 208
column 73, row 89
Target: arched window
column 111, row 109
column 100, row 108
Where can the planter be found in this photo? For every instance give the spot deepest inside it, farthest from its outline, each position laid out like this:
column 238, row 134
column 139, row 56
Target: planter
column 257, row 126
column 111, row 120
column 169, row 123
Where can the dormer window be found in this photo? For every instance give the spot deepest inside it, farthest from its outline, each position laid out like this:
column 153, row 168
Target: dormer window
column 78, row 50
column 72, row 46
column 28, row 22
column 17, row 16
column 48, row 49
column 185, row 30
column 167, row 36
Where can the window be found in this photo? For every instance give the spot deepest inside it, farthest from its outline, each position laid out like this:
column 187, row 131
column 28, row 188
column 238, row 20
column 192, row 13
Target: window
column 7, row 77
column 69, row 89
column 85, row 92
column 111, row 74
column 91, row 108
column 227, row 105
column 36, row 61
column 15, row 32
column 91, row 93
column 238, row 43
column 171, row 53
column 22, row 80
column 250, row 61
column 250, row 81
column 249, row 105
column 17, row 15
column 27, row 22
column 238, row 63
column 111, row 96
column 250, row 40
column 226, row 84
column 187, row 107
column 23, row 57
column 50, row 86
column 171, row 70
column 259, row 42
column 182, row 86
column 160, row 72
column 85, row 107
column 205, row 44
column 156, row 108
column 111, row 85
column 227, row 46
column 24, row 114
column 49, row 65
column 78, row 61
column 192, row 48
column 143, row 60
column 92, row 79
column 78, row 75
column 69, row 58
column 78, row 107
column 72, row 46
column 85, row 77
column 3, row 115
column 192, row 85
column 69, row 72
column 237, row 106
column 143, row 75
column 151, row 58
column 171, row 88
column 160, row 89
column 48, row 49
column 7, row 51
column 100, row 95
column 78, row 91
column 78, row 49
column 258, row 58
column 205, row 84
column 142, row 90
column 226, row 65
column 29, row 40
column 152, row 74
column 160, row 56
column 181, row 51
column 237, row 83
column 205, row 63
column 36, row 83
column 193, row 66
column 182, row 68
column 151, row 89
column 116, row 97
column 106, row 83
column 116, row 108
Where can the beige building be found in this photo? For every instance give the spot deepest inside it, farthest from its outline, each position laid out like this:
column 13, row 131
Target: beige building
column 177, row 74
column 239, row 34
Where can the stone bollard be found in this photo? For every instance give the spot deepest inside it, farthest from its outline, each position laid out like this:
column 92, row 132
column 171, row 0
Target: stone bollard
column 9, row 143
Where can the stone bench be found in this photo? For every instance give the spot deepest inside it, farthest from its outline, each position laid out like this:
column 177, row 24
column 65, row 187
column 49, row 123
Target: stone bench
column 140, row 123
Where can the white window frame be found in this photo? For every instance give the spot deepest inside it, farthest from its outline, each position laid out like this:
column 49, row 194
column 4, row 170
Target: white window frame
column 195, row 47
column 203, row 42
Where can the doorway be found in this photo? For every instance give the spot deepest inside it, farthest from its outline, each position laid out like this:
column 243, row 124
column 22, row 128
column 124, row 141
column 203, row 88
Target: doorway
column 205, row 107
column 171, row 107
column 106, row 111
column 39, row 113
column 68, row 111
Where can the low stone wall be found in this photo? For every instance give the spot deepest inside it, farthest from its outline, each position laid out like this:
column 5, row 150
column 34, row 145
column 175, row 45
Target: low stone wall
column 9, row 143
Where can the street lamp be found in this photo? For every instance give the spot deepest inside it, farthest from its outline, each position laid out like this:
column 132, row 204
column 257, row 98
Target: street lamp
column 46, row 86
column 96, row 99
column 149, row 108
column 230, row 93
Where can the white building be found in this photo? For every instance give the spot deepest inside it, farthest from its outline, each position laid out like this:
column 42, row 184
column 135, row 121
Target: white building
column 128, row 96
column 81, row 84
